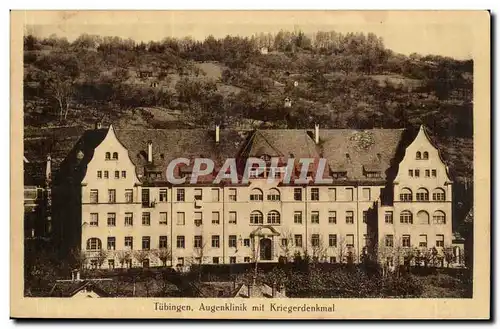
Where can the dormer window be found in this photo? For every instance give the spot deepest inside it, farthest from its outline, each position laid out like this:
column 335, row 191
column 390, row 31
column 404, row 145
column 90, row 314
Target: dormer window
column 419, row 155
column 373, row 174
column 115, row 155
column 108, row 156
column 339, row 174
column 426, row 155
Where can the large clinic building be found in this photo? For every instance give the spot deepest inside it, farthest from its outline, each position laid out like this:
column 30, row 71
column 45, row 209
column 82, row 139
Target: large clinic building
column 388, row 190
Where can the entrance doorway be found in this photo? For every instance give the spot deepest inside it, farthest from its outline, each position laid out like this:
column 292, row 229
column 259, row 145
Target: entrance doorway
column 266, row 252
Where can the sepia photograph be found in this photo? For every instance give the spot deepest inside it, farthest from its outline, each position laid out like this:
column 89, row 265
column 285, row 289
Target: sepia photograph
column 232, row 165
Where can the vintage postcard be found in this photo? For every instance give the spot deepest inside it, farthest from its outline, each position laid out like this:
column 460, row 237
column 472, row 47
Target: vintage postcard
column 250, row 164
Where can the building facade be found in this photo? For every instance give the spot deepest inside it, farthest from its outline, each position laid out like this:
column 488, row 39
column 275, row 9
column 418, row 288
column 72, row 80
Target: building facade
column 384, row 192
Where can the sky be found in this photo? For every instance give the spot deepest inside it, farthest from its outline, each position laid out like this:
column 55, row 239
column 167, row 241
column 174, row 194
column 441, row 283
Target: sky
column 431, row 32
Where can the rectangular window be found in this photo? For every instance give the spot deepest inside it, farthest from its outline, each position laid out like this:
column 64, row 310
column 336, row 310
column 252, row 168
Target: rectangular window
column 163, row 242
column 94, row 196
column 124, row 174
column 145, row 197
column 111, row 219
column 366, row 194
column 406, row 241
column 417, row 172
column 112, row 196
column 349, row 194
column 163, row 195
column 315, row 240
column 146, row 243
column 349, row 217
column 117, row 174
column 315, row 194
column 181, row 243
column 232, row 194
column 99, row 174
column 389, row 240
column 297, row 217
column 215, row 241
column 215, row 260
column 232, row 241
column 180, row 261
column 106, row 174
column 365, row 216
column 246, row 259
column 284, row 242
column 350, row 240
column 181, row 218
column 410, row 172
column 315, row 217
column 146, row 218
column 111, row 263
column 333, row 260
column 332, row 194
column 298, row 240
column 198, row 218
column 94, row 219
column 198, row 194
column 129, row 219
column 232, row 217
column 297, row 194
column 163, row 218
column 246, row 242
column 439, row 240
column 332, row 217
column 422, row 241
column 181, row 196
column 215, row 218
column 111, row 243
column 434, row 172
column 232, row 260
column 129, row 242
column 129, row 196
column 332, row 240
column 389, row 217
column 215, row 195
column 198, row 241
column 427, row 173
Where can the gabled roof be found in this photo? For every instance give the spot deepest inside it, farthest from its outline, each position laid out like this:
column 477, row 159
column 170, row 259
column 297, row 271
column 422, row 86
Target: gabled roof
column 70, row 288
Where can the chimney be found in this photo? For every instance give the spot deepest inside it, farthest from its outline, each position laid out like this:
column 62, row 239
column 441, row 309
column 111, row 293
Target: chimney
column 73, row 276
column 217, row 133
column 77, row 275
column 316, row 133
column 150, row 151
column 283, row 290
column 274, row 290
column 250, row 288
column 48, row 168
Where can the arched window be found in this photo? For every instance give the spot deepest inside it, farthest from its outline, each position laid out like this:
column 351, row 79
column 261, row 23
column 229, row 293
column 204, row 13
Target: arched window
column 422, row 194
column 426, row 155
column 406, row 217
column 438, row 195
column 439, row 217
column 423, row 217
column 115, row 155
column 256, row 217
column 94, row 244
column 406, row 194
column 419, row 155
column 108, row 155
column 256, row 195
column 273, row 217
column 273, row 195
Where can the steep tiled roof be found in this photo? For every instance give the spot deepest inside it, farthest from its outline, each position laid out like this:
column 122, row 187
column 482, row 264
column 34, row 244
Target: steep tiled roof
column 359, row 151
column 281, row 143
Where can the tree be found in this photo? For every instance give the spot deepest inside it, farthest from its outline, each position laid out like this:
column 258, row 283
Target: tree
column 101, row 257
column 78, row 258
column 287, row 245
column 448, row 255
column 318, row 250
column 123, row 257
column 164, row 255
column 142, row 255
